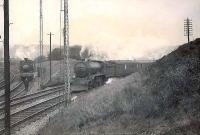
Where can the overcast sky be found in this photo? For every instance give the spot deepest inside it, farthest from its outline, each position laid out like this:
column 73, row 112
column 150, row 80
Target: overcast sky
column 123, row 29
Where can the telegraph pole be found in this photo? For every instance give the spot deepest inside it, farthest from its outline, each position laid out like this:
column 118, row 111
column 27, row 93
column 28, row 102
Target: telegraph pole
column 7, row 67
column 61, row 33
column 0, row 42
column 188, row 29
column 50, row 34
column 41, row 43
column 66, row 52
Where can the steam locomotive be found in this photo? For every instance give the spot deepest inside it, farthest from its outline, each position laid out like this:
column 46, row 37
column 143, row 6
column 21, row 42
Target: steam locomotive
column 26, row 68
column 91, row 74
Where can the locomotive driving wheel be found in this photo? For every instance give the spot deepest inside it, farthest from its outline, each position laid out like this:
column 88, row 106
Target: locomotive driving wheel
column 90, row 85
column 98, row 81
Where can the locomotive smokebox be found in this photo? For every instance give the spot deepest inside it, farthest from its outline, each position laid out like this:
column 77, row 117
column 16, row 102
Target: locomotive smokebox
column 26, row 68
column 83, row 69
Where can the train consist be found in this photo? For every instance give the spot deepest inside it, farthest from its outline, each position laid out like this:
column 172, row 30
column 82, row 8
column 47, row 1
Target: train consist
column 27, row 70
column 91, row 74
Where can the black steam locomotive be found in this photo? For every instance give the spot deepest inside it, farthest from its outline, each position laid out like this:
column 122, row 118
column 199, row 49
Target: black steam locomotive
column 91, row 74
column 26, row 68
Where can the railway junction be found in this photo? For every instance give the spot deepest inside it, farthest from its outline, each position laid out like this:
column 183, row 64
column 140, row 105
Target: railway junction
column 71, row 93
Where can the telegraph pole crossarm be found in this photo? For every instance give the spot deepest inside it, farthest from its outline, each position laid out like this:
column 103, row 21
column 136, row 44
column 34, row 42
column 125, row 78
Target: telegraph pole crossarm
column 188, row 31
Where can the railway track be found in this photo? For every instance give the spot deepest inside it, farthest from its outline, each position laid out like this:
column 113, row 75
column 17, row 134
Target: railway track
column 26, row 115
column 29, row 108
column 15, row 91
column 2, row 84
column 24, row 100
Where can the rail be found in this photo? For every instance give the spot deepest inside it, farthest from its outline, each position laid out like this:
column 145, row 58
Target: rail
column 14, row 91
column 26, row 114
column 2, row 84
column 16, row 102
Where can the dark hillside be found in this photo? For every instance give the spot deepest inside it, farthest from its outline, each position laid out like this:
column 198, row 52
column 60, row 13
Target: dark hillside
column 186, row 51
column 162, row 99
column 175, row 81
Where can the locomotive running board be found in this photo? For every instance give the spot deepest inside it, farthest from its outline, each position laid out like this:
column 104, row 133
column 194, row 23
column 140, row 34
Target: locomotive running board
column 78, row 88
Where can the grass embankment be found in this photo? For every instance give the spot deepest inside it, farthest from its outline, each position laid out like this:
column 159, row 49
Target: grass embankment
column 161, row 99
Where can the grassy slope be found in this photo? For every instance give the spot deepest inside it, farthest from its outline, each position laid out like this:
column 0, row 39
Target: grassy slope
column 161, row 99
